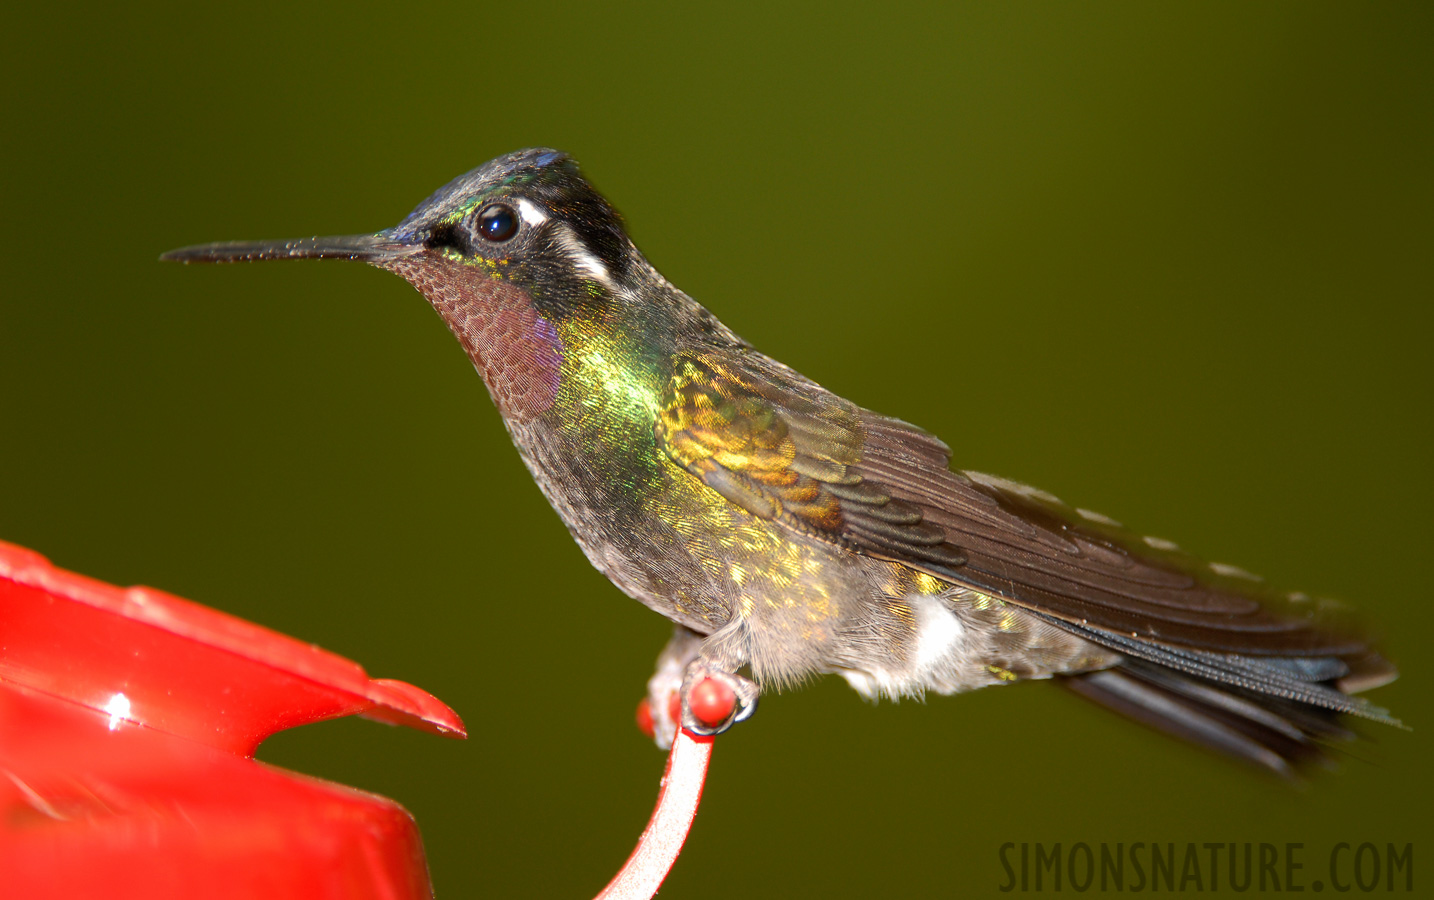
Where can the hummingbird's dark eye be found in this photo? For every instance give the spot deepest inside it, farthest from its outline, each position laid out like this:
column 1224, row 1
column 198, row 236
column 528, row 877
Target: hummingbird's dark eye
column 498, row 222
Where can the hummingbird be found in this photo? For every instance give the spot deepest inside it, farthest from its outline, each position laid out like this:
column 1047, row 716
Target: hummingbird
column 788, row 532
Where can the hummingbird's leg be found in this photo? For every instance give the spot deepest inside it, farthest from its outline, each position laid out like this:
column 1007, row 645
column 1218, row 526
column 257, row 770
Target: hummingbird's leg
column 688, row 659
column 664, row 688
column 722, row 653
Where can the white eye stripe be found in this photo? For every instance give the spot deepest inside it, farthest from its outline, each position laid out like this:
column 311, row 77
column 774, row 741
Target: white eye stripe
column 582, row 257
column 533, row 216
column 530, row 212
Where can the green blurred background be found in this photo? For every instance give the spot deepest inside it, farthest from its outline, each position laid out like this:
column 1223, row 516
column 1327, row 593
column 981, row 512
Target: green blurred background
column 1170, row 264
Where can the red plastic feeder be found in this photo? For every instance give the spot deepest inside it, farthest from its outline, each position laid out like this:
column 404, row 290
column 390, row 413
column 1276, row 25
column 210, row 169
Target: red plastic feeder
column 128, row 723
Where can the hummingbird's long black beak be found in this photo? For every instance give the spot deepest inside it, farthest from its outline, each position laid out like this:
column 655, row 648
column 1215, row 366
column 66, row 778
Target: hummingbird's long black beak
column 365, row 247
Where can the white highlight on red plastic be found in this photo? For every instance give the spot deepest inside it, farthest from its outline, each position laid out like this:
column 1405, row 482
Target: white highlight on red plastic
column 119, row 709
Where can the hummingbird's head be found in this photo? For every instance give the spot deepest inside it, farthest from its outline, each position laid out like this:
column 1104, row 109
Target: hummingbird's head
column 512, row 255
column 528, row 219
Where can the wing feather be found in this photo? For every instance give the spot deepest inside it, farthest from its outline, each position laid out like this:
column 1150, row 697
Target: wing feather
column 1026, row 546
column 783, row 448
column 778, row 453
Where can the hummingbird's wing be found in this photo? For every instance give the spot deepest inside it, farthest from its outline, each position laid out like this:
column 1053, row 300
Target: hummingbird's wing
column 1088, row 570
column 784, row 454
column 783, row 448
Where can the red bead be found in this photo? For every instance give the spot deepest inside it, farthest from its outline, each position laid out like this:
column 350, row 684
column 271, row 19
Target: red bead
column 712, row 702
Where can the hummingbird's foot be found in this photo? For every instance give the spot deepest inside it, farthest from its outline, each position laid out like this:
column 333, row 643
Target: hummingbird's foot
column 714, row 700
column 705, row 696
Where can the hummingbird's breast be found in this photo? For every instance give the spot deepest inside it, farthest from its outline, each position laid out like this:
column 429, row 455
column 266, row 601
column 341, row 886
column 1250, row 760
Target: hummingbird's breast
column 579, row 398
column 680, row 548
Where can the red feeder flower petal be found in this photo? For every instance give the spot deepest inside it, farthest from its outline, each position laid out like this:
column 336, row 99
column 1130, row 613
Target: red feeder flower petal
column 128, row 722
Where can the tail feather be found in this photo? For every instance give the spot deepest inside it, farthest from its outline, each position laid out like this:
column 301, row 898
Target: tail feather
column 1270, row 748
column 1279, row 735
column 1288, row 678
column 1279, row 713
